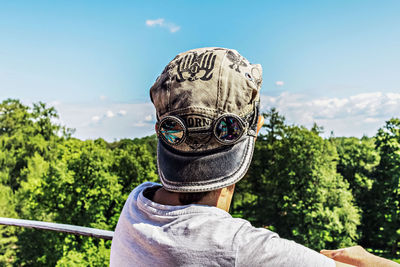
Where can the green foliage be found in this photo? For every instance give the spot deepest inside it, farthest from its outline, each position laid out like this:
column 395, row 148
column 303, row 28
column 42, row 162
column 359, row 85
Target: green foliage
column 23, row 133
column 87, row 185
column 297, row 191
column 8, row 237
column 47, row 175
column 383, row 218
column 92, row 256
column 358, row 159
column 14, row 117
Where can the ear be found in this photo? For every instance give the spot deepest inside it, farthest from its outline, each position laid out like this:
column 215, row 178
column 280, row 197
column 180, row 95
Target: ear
column 260, row 123
column 156, row 127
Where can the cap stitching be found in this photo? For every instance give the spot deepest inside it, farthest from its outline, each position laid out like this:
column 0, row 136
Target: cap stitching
column 169, row 91
column 219, row 83
column 188, row 108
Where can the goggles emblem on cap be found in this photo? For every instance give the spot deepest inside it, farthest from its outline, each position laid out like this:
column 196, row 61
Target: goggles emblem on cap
column 228, row 129
column 172, row 130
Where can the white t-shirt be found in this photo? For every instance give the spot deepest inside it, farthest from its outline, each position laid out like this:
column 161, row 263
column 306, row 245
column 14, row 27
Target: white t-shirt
column 151, row 234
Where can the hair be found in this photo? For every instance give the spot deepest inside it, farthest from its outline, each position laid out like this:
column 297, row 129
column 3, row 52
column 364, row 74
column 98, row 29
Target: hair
column 191, row 198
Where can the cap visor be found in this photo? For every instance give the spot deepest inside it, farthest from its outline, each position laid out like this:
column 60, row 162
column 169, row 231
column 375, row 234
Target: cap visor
column 181, row 172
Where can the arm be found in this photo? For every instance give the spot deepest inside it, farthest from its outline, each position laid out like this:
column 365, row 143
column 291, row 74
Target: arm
column 341, row 264
column 358, row 256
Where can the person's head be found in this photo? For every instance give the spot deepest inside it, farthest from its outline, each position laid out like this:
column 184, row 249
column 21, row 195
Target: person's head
column 207, row 106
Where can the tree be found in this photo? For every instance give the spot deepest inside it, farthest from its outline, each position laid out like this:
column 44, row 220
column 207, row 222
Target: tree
column 358, row 159
column 133, row 164
column 274, row 124
column 77, row 188
column 14, row 116
column 296, row 189
column 86, row 184
column 8, row 237
column 25, row 135
column 383, row 219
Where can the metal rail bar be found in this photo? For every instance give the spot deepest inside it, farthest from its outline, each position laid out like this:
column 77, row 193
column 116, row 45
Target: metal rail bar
column 59, row 227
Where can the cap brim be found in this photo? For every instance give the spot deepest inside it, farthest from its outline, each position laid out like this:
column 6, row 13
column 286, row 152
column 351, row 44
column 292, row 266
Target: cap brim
column 205, row 172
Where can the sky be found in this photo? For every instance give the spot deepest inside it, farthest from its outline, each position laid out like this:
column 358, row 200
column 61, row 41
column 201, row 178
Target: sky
column 335, row 63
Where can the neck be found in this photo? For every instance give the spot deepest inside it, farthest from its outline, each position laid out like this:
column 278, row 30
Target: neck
column 225, row 198
column 220, row 198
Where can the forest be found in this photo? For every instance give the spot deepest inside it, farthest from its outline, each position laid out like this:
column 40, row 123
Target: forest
column 325, row 193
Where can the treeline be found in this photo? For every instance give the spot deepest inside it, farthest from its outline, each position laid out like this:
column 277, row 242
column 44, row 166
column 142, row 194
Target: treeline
column 324, row 193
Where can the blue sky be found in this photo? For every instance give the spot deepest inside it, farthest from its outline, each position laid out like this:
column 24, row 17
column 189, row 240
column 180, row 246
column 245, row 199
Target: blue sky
column 333, row 62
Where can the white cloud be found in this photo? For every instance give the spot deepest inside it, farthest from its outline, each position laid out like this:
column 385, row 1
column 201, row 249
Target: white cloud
column 279, row 83
column 139, row 124
column 172, row 27
column 103, row 97
column 95, row 118
column 54, row 103
column 349, row 116
column 109, row 114
column 109, row 121
column 371, row 120
column 122, row 112
column 154, row 22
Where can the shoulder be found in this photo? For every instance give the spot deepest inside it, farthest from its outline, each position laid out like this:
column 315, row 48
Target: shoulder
column 135, row 201
column 143, row 186
column 140, row 188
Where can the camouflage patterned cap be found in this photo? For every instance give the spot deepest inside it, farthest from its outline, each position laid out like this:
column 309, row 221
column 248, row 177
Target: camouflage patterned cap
column 198, row 87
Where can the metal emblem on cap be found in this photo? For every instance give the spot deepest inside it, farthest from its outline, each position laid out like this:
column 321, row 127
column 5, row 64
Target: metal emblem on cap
column 237, row 61
column 228, row 129
column 172, row 130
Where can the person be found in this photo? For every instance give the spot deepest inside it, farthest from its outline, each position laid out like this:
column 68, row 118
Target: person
column 207, row 103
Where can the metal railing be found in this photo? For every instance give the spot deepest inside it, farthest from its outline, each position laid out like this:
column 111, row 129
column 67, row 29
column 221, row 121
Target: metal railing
column 59, row 227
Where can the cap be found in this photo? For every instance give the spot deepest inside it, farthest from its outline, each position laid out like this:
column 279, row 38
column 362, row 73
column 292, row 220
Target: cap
column 198, row 87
